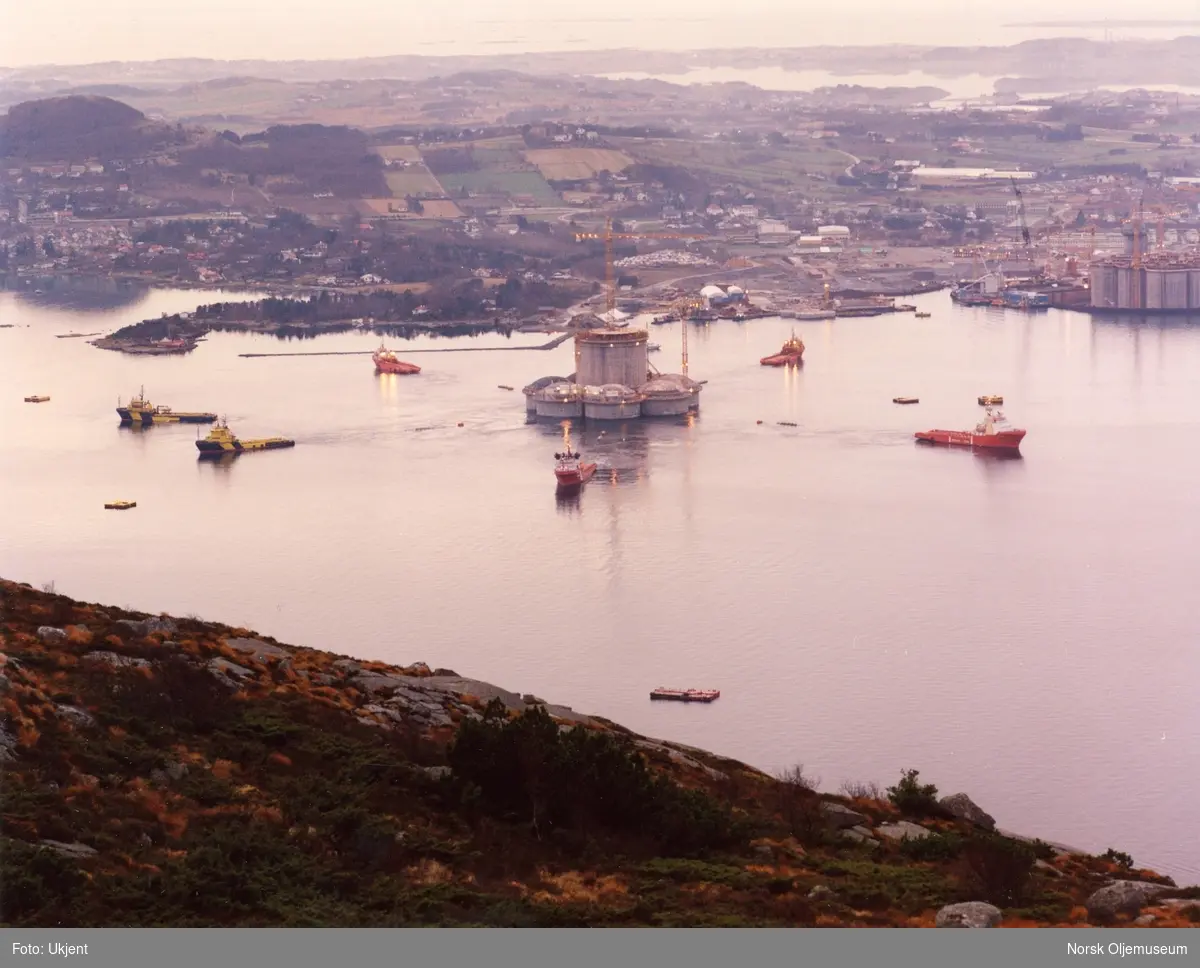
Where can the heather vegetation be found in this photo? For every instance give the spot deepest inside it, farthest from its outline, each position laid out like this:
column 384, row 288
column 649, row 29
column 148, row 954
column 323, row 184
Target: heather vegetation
column 165, row 771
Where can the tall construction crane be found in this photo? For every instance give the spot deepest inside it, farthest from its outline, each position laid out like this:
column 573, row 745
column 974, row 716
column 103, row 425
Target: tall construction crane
column 1020, row 211
column 608, row 235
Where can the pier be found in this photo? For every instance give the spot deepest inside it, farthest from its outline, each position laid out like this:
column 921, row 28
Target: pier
column 557, row 341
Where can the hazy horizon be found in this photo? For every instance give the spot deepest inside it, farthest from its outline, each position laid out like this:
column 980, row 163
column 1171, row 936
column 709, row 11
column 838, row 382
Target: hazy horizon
column 74, row 32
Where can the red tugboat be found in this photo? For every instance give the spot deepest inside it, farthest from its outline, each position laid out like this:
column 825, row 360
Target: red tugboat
column 572, row 472
column 686, row 695
column 387, row 362
column 991, row 433
column 792, row 354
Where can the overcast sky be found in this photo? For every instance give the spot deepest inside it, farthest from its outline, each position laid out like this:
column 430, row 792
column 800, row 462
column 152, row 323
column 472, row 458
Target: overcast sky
column 84, row 31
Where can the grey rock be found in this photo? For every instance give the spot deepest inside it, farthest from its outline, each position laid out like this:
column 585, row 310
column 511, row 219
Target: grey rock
column 347, row 665
column 8, row 745
column 962, row 806
column 257, row 649
column 228, row 672
column 436, row 772
column 531, row 700
column 1179, row 903
column 902, row 830
column 1048, row 868
column 144, row 840
column 374, row 682
column 4, row 683
column 148, row 626
column 1145, row 920
column 841, row 817
column 78, row 851
column 765, row 850
column 73, row 714
column 445, row 672
column 859, row 835
column 820, row 893
column 970, row 914
column 170, row 772
column 1122, row 897
column 50, row 635
column 114, row 660
column 322, row 679
column 677, row 756
column 385, row 711
column 420, row 669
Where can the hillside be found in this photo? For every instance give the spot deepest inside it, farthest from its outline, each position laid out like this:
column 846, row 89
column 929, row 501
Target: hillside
column 163, row 771
column 80, row 127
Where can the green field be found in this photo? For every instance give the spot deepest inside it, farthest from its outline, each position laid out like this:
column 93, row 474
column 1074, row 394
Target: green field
column 402, row 183
column 501, row 182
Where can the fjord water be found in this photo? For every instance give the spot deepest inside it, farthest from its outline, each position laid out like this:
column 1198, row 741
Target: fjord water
column 1022, row 630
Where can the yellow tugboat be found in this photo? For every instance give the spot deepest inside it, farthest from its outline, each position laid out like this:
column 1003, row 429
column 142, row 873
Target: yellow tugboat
column 221, row 440
column 141, row 410
column 120, row 505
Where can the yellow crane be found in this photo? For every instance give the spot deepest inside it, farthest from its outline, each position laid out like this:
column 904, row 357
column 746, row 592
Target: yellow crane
column 609, row 272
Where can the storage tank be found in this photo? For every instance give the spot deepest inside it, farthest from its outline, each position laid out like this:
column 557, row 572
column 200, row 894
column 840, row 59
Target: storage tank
column 611, row 357
column 1194, row 288
column 1175, row 289
column 669, row 395
column 611, row 402
column 558, row 400
column 1154, row 289
column 713, row 294
column 1103, row 286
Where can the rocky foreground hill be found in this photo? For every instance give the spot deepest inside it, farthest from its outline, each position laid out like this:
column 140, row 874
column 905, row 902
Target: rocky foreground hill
column 162, row 771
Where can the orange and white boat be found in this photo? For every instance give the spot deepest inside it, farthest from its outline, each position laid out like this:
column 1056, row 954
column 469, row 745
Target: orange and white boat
column 387, row 362
column 993, row 432
column 571, row 471
column 792, row 354
column 686, row 695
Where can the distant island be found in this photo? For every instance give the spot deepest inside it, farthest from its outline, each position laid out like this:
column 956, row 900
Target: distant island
column 162, row 771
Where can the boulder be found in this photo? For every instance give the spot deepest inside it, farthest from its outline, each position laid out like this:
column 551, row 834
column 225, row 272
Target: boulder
column 347, row 665
column 820, row 893
column 841, row 817
column 8, row 743
column 257, row 649
column 1145, row 920
column 75, row 715
column 1122, row 897
column 114, row 660
column 77, row 851
column 436, row 772
column 859, row 835
column 902, row 830
column 51, row 636
column 228, row 672
column 970, row 914
column 148, row 626
column 1180, row 904
column 962, row 806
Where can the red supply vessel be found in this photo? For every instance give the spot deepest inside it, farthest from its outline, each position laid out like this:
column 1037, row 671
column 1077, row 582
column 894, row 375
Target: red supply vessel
column 991, row 433
column 571, row 471
column 792, row 354
column 387, row 362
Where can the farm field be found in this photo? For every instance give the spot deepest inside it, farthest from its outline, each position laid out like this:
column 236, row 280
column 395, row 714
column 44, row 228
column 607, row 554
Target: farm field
column 420, row 182
column 502, row 183
column 577, row 164
column 409, row 153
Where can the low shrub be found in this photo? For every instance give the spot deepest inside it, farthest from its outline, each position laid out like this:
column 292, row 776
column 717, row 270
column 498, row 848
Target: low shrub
column 998, row 868
column 913, row 798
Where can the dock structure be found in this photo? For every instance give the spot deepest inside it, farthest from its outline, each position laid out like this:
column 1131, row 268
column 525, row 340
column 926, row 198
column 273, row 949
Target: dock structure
column 557, row 341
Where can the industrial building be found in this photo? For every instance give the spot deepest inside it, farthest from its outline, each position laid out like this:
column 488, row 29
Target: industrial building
column 613, row 380
column 1154, row 283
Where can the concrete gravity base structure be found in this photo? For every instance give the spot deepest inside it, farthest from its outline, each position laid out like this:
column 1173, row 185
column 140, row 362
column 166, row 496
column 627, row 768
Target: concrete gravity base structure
column 665, row 395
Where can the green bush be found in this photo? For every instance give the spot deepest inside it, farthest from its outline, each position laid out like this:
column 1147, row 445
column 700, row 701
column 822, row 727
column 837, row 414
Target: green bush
column 912, row 797
column 999, row 868
column 936, row 847
column 526, row 769
column 1118, row 857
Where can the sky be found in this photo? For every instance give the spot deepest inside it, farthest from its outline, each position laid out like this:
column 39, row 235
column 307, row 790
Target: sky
column 86, row 31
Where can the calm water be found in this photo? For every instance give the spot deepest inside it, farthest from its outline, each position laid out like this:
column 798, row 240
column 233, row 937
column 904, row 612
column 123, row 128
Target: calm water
column 1023, row 630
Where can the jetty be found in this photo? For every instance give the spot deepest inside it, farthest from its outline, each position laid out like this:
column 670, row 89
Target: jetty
column 557, row 341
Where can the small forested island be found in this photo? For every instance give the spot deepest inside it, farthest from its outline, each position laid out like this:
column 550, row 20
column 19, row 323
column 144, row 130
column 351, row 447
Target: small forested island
column 163, row 771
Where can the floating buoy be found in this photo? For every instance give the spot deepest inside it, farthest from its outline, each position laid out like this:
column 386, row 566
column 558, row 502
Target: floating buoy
column 460, row 423
column 759, row 422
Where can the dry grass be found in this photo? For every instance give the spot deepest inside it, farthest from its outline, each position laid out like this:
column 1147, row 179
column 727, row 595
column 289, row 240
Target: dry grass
column 409, row 153
column 420, row 182
column 577, row 164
